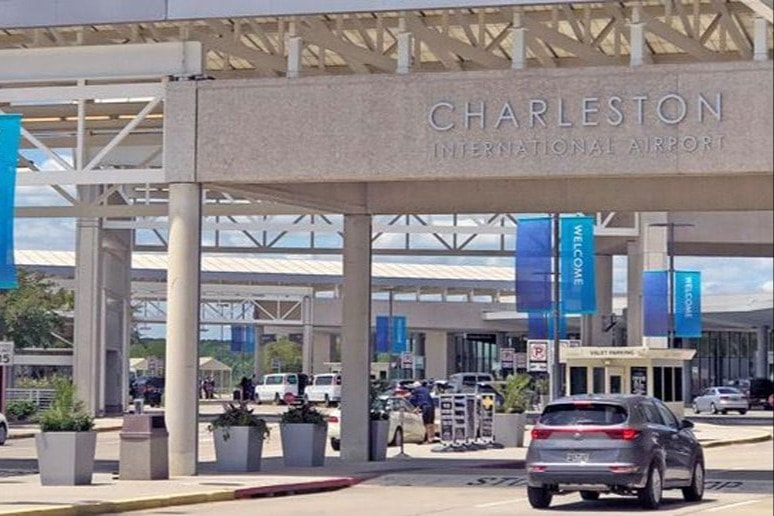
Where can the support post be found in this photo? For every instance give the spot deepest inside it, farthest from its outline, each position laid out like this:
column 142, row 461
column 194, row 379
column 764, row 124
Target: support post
column 637, row 37
column 356, row 331
column 760, row 37
column 519, row 45
column 762, row 352
column 555, row 379
column 295, row 46
column 308, row 338
column 182, row 367
column 258, row 353
column 404, row 48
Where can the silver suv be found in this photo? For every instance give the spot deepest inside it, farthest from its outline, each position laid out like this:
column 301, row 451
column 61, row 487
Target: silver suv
column 622, row 444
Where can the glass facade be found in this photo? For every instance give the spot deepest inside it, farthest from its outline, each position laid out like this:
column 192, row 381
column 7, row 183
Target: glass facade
column 475, row 352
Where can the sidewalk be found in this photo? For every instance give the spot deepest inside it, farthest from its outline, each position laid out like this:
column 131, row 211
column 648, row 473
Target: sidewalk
column 24, row 494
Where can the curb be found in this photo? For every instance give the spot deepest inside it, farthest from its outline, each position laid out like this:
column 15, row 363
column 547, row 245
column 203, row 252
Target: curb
column 742, row 440
column 158, row 502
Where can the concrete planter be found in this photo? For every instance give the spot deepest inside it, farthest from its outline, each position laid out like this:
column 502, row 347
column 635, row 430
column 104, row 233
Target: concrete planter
column 241, row 452
column 303, row 444
column 380, row 437
column 509, row 430
column 66, row 458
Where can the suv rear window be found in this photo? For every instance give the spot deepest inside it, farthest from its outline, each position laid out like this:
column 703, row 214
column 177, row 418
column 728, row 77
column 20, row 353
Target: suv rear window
column 594, row 414
column 323, row 380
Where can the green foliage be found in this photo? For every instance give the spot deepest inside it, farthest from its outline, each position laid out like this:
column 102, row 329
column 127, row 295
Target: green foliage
column 377, row 411
column 48, row 382
column 287, row 352
column 29, row 314
column 20, row 410
column 237, row 414
column 303, row 414
column 516, row 394
column 66, row 413
column 541, row 386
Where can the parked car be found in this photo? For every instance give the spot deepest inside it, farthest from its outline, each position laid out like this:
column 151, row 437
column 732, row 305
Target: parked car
column 721, row 399
column 326, row 388
column 149, row 388
column 466, row 382
column 273, row 388
column 621, row 444
column 409, row 430
column 3, row 429
column 757, row 390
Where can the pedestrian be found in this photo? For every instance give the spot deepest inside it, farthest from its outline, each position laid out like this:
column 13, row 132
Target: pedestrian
column 420, row 397
column 244, row 384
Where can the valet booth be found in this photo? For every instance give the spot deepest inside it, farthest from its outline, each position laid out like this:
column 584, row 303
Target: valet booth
column 628, row 370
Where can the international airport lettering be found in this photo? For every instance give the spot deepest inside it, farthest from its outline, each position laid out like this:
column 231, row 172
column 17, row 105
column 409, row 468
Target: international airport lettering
column 513, row 130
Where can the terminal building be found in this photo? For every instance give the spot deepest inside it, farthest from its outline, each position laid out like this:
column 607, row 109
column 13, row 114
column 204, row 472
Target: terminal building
column 193, row 130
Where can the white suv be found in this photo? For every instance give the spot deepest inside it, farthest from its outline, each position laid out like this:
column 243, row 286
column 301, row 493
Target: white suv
column 325, row 389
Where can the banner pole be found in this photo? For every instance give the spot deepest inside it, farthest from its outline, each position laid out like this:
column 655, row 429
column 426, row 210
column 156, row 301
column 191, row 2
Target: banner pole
column 555, row 378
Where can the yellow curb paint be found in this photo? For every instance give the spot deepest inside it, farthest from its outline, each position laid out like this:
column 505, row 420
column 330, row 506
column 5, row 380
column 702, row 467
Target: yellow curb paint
column 741, row 440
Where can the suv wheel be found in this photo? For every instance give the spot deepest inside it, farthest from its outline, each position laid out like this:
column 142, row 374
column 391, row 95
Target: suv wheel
column 589, row 496
column 539, row 497
column 650, row 495
column 713, row 409
column 3, row 434
column 335, row 444
column 696, row 409
column 695, row 492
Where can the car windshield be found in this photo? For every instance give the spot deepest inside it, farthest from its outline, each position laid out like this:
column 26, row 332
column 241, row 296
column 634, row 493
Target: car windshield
column 728, row 390
column 571, row 414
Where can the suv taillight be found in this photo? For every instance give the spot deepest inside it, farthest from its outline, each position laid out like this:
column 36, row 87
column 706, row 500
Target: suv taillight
column 332, row 419
column 626, row 434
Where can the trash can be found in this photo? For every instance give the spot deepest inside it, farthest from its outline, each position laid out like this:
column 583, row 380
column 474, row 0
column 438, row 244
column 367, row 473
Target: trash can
column 144, row 448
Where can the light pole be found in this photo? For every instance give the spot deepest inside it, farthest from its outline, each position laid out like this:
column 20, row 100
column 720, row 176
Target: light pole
column 671, row 274
column 555, row 379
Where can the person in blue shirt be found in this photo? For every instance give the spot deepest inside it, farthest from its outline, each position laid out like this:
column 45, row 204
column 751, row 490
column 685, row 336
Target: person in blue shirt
column 420, row 397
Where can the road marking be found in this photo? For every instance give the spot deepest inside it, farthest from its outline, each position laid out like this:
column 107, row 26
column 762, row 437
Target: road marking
column 738, row 504
column 495, row 504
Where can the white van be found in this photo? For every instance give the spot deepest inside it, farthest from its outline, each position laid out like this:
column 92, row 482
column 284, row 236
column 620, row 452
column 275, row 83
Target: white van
column 325, row 389
column 466, row 382
column 273, row 387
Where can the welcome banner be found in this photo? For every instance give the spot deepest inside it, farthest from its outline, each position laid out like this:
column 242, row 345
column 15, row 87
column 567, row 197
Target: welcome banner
column 533, row 265
column 687, row 304
column 655, row 307
column 541, row 326
column 10, row 134
column 576, row 264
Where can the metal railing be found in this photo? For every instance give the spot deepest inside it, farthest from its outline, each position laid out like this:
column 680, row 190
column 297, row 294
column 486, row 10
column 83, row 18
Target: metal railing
column 41, row 397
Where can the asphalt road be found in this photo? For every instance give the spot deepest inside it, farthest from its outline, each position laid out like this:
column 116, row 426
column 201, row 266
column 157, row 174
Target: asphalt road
column 739, row 479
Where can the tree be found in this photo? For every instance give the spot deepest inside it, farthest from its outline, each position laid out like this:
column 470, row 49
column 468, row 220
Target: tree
column 288, row 354
column 31, row 313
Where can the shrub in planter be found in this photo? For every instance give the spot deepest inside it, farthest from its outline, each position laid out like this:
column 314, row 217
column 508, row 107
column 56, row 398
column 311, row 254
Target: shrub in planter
column 509, row 420
column 20, row 410
column 303, row 431
column 239, row 436
column 66, row 444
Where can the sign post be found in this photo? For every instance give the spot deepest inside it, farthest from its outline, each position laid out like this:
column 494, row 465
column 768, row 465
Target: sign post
column 6, row 362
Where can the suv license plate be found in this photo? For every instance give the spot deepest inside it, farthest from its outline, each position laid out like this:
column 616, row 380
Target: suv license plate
column 577, row 457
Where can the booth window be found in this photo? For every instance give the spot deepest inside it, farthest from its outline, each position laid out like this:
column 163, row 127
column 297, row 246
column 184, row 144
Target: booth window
column 668, row 383
column 578, row 380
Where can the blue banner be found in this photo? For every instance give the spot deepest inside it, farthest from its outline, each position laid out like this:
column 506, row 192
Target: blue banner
column 576, row 265
column 655, row 303
column 541, row 326
column 243, row 338
column 533, row 265
column 10, row 135
column 382, row 334
column 687, row 304
column 399, row 334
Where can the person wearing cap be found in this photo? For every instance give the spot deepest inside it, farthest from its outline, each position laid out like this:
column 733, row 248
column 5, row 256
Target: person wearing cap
column 420, row 397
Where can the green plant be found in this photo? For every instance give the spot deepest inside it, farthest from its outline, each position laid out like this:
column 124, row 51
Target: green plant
column 303, row 414
column 66, row 413
column 516, row 394
column 542, row 386
column 377, row 408
column 237, row 414
column 20, row 410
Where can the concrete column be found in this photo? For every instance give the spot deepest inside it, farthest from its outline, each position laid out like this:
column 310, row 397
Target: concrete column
column 89, row 300
column 761, row 352
column 760, row 37
column 258, row 352
column 308, row 338
column 295, row 47
column 519, row 44
column 648, row 252
column 183, row 287
column 436, row 354
column 637, row 38
column 355, row 351
column 592, row 326
column 404, row 53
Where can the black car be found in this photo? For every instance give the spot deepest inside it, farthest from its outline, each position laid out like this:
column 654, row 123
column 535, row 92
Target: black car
column 621, row 444
column 757, row 390
column 149, row 388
